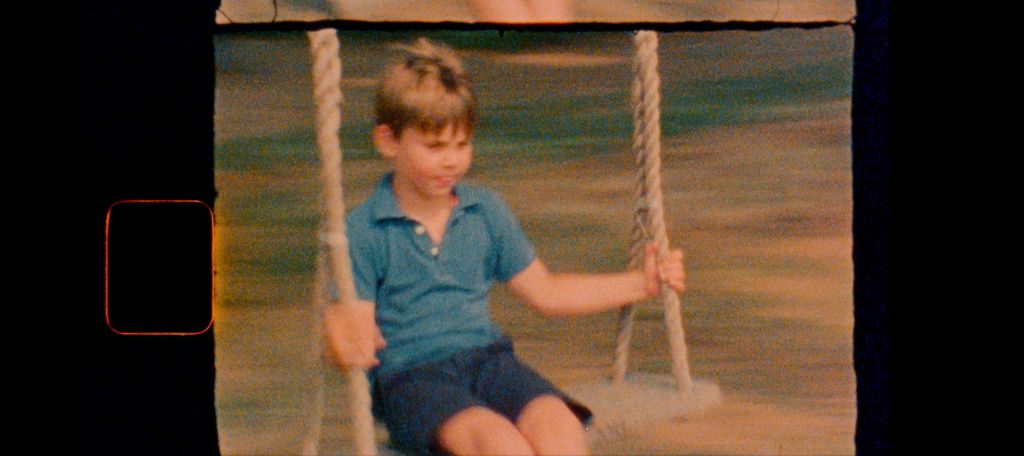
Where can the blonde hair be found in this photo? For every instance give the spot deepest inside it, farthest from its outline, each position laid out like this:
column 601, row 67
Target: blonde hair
column 426, row 89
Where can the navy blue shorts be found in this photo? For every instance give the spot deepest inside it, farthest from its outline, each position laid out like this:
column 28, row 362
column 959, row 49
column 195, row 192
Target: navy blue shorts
column 415, row 402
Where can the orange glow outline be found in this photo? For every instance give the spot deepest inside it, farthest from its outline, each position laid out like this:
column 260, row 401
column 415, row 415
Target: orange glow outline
column 106, row 270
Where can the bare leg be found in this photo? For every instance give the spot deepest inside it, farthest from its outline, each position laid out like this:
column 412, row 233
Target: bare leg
column 523, row 11
column 502, row 11
column 551, row 10
column 551, row 428
column 478, row 430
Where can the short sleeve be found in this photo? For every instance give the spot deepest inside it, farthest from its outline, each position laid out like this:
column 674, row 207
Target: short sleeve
column 361, row 252
column 514, row 250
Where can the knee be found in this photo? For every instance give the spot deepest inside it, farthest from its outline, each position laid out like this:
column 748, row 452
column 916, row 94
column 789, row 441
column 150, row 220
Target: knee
column 478, row 430
column 550, row 427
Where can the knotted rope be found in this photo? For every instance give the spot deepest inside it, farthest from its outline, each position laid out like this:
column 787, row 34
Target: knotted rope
column 328, row 99
column 649, row 220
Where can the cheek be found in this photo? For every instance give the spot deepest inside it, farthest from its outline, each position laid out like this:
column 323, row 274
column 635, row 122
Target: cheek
column 423, row 163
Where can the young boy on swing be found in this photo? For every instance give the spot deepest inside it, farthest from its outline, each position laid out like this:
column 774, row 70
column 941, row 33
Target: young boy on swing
column 425, row 251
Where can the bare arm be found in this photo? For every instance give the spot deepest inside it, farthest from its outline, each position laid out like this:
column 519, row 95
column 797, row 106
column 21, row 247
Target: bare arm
column 580, row 294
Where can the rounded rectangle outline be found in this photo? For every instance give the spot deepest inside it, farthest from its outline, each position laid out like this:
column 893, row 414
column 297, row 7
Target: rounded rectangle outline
column 106, row 269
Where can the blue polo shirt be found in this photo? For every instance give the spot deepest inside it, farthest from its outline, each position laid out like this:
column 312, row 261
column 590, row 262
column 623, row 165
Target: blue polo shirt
column 431, row 300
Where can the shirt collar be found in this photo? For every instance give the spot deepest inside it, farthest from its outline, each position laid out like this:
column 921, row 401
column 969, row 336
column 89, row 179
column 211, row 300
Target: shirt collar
column 385, row 206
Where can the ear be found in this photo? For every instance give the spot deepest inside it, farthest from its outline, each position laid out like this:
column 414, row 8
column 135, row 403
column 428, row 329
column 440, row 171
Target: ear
column 385, row 141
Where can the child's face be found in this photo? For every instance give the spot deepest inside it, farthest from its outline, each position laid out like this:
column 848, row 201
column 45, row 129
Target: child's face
column 430, row 163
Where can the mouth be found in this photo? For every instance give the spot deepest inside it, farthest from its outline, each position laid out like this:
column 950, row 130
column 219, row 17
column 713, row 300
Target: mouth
column 446, row 180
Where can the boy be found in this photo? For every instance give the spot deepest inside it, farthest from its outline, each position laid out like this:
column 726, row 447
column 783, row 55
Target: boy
column 425, row 251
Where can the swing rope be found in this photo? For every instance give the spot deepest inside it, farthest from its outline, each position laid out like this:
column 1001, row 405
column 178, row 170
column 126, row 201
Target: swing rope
column 649, row 220
column 327, row 95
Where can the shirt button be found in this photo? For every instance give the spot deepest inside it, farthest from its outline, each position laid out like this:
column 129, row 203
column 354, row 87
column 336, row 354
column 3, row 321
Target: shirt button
column 420, row 229
column 434, row 250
